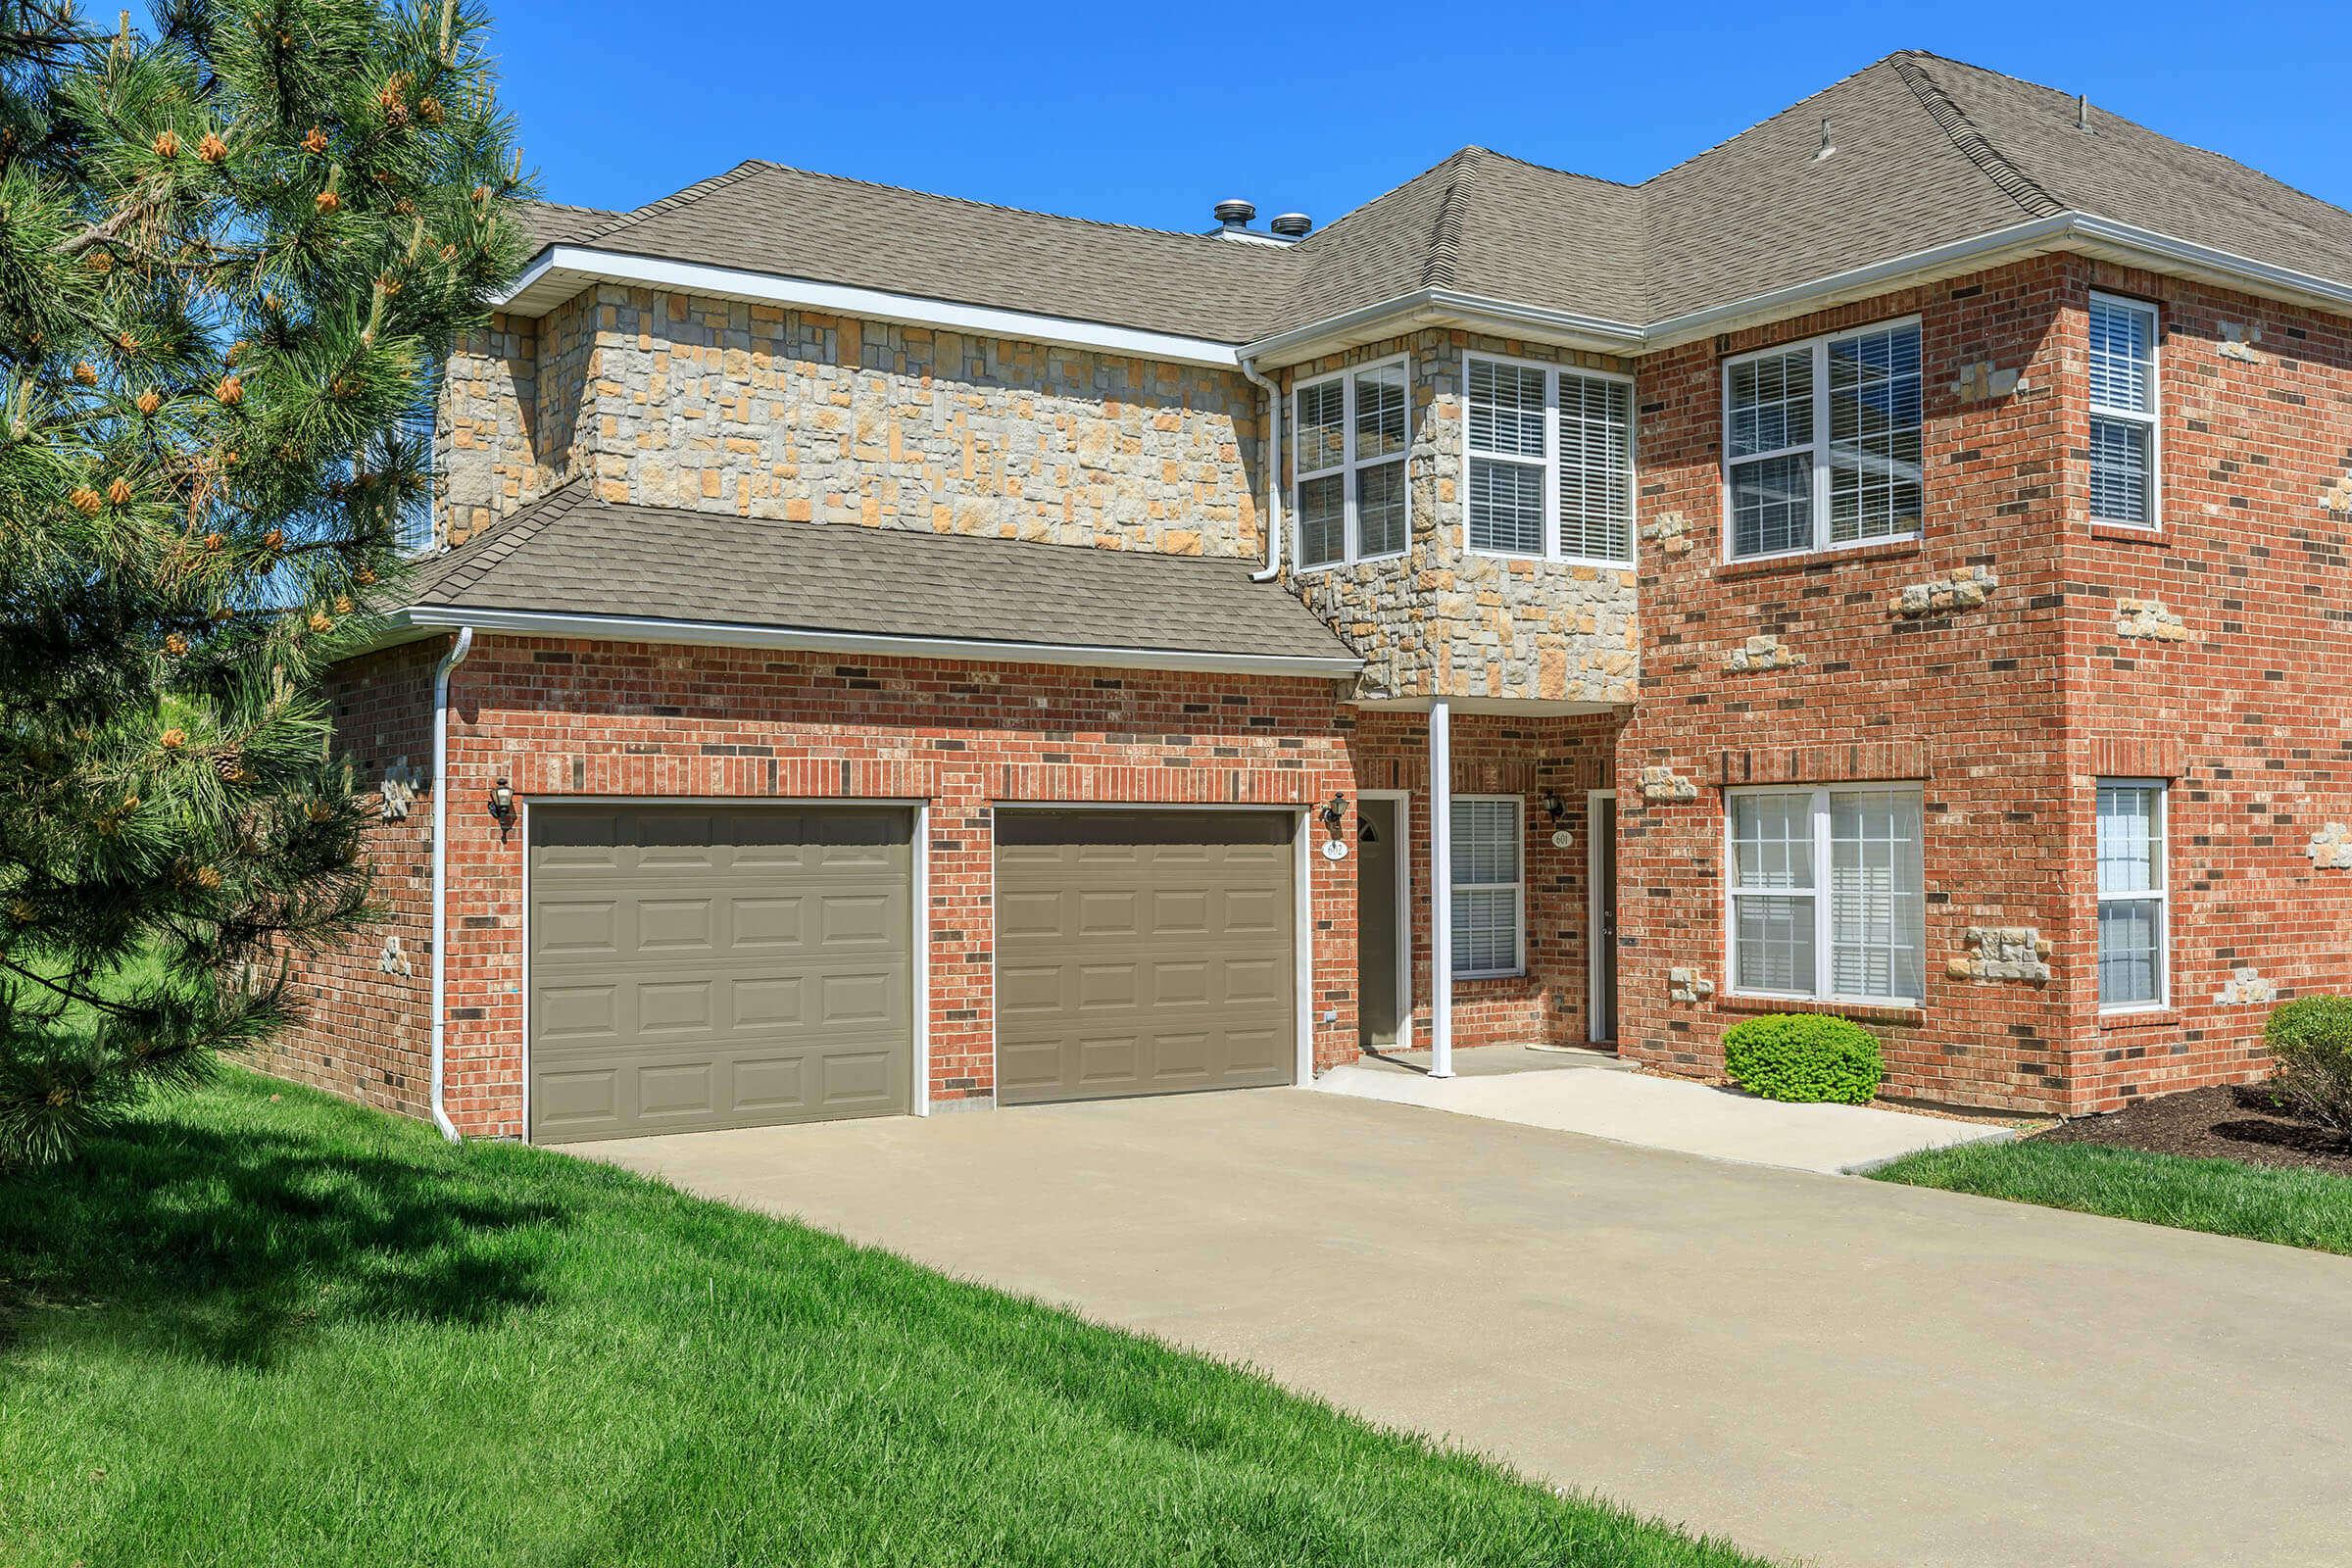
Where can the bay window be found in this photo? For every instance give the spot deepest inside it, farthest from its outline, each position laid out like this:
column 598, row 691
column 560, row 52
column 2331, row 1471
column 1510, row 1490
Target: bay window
column 1488, row 886
column 2132, row 894
column 1549, row 461
column 1349, row 450
column 2123, row 411
column 1827, row 895
column 1823, row 443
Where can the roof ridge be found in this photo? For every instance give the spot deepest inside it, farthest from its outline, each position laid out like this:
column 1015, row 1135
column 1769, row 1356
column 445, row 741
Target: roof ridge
column 575, row 206
column 2014, row 182
column 1552, row 168
column 1851, row 76
column 502, row 541
column 754, row 166
column 1310, row 245
column 684, row 196
column 1444, row 264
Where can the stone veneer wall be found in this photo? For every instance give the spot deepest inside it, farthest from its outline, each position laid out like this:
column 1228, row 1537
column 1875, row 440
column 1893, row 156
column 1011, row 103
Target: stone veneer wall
column 1443, row 620
column 760, row 411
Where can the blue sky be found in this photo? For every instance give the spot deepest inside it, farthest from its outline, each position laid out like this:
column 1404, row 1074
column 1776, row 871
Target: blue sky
column 1149, row 113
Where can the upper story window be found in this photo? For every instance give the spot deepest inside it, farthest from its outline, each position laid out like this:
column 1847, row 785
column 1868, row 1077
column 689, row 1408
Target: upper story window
column 2123, row 411
column 1823, row 443
column 1551, row 461
column 1352, row 429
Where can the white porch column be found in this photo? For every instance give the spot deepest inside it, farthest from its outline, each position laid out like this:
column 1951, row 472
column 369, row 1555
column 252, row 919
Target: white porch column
column 1440, row 890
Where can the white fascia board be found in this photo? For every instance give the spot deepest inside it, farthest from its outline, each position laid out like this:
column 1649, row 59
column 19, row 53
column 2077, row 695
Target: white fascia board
column 719, row 634
column 1391, row 317
column 562, row 271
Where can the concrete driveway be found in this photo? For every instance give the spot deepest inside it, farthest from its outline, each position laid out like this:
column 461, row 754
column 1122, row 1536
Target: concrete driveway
column 1820, row 1368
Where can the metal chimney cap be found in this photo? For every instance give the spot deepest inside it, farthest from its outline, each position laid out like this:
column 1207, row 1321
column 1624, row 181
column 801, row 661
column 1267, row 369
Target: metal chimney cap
column 1234, row 213
column 1292, row 225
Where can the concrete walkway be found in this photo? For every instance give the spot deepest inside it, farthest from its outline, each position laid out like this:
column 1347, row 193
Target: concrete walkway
column 1588, row 1093
column 1840, row 1372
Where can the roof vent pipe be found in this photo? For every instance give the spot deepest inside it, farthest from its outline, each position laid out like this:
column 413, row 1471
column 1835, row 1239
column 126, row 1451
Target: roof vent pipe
column 1234, row 213
column 1292, row 225
column 2082, row 111
column 1827, row 146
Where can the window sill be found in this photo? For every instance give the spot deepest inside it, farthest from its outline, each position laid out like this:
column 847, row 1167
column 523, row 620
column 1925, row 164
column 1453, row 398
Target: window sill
column 2131, row 533
column 1462, row 979
column 1837, row 555
column 1322, row 566
column 1596, row 562
column 1893, row 1012
column 2141, row 1018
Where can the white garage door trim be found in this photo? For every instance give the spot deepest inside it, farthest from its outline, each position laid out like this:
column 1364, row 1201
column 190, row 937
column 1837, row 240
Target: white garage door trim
column 1303, row 943
column 920, row 936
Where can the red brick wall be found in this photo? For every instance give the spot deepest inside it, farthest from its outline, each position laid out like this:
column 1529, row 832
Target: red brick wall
column 1969, row 701
column 363, row 1033
column 2250, row 711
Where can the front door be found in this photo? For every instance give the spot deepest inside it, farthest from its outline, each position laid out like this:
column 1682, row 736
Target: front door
column 1377, row 849
column 1600, row 846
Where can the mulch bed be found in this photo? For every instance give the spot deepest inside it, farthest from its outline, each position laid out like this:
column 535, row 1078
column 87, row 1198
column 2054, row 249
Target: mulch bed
column 2237, row 1123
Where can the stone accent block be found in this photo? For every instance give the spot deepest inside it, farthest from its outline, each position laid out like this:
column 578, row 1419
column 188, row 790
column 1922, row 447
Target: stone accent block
column 2330, row 847
column 2149, row 618
column 1964, row 589
column 1669, row 532
column 2003, row 953
column 1761, row 653
column 1665, row 784
column 2245, row 987
column 1687, row 986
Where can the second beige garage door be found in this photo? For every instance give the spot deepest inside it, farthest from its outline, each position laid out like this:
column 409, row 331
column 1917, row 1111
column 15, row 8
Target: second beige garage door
column 1142, row 952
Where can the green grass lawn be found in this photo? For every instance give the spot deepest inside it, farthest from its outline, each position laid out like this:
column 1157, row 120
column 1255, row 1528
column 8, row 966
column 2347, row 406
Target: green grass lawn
column 262, row 1326
column 2266, row 1204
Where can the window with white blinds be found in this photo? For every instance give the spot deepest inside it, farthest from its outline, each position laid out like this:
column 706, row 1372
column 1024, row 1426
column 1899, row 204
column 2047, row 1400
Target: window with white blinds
column 1351, row 431
column 2123, row 411
column 1828, row 898
column 1824, row 443
column 1550, row 456
column 1488, row 902
column 2132, row 893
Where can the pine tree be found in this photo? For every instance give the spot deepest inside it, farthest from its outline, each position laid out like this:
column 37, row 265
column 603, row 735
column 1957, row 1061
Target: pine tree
column 232, row 244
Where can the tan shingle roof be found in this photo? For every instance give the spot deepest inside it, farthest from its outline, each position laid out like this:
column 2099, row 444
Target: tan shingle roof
column 1926, row 152
column 572, row 553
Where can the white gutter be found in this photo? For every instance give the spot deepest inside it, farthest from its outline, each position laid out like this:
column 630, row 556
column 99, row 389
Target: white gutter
column 1441, row 888
column 440, row 985
column 1273, row 566
column 559, row 271
column 720, row 634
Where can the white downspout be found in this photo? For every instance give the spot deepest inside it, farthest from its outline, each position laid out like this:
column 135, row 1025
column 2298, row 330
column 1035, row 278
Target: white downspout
column 1441, row 888
column 1273, row 566
column 440, row 987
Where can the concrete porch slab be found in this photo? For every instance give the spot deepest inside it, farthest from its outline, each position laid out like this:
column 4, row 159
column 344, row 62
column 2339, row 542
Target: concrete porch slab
column 1606, row 1099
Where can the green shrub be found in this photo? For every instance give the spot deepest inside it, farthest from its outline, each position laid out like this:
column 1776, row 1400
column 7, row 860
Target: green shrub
column 2310, row 1054
column 1804, row 1056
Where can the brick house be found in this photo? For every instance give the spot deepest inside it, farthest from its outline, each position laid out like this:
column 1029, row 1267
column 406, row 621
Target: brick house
column 884, row 652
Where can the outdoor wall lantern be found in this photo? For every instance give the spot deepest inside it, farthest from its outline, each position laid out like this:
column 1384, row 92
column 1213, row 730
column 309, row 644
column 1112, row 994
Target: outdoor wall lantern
column 502, row 801
column 1335, row 811
column 1554, row 806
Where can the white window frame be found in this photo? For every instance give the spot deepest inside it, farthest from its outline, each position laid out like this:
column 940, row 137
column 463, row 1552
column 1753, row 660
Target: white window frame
column 2160, row 894
column 1552, row 373
column 2151, row 419
column 1824, row 954
column 1352, row 533
column 1518, row 966
column 1819, row 447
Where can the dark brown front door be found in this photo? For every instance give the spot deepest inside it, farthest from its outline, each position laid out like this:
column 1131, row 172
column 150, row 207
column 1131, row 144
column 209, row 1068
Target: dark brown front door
column 1377, row 849
column 695, row 968
column 1142, row 952
column 1601, row 850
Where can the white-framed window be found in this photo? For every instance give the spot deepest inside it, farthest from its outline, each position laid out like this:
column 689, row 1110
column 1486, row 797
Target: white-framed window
column 1827, row 895
column 1823, row 443
column 2124, row 446
column 2133, row 940
column 1489, row 888
column 1352, row 429
column 1549, row 461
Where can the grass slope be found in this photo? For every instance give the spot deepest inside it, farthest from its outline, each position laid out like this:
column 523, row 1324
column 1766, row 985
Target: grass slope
column 2265, row 1203
column 265, row 1327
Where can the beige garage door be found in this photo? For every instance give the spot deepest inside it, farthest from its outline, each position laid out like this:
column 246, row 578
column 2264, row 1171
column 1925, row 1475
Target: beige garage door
column 694, row 969
column 1142, row 952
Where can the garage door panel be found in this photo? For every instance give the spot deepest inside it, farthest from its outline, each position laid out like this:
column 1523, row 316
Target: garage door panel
column 1142, row 952
column 709, row 969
